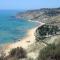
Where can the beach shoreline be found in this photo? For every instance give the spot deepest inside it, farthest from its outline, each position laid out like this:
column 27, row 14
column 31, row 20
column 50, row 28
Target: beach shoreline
column 24, row 42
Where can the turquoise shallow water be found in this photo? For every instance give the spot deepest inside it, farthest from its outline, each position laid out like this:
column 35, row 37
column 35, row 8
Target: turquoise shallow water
column 12, row 29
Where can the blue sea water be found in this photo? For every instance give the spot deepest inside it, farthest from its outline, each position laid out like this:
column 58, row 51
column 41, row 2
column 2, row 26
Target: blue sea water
column 11, row 28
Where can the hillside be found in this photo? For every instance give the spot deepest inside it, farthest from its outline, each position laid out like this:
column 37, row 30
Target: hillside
column 46, row 15
column 46, row 35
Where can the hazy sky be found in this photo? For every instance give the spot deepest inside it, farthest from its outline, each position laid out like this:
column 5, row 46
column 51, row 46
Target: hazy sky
column 28, row 4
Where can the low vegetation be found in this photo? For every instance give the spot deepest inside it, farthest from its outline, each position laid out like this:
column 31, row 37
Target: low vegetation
column 45, row 31
column 50, row 52
column 15, row 54
column 18, row 53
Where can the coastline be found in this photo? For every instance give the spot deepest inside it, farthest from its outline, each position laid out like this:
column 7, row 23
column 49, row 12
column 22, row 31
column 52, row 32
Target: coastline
column 24, row 42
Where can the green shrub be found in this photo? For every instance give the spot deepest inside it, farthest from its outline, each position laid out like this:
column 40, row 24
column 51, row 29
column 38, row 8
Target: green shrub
column 18, row 53
column 2, row 55
column 45, row 30
column 1, row 58
column 51, row 52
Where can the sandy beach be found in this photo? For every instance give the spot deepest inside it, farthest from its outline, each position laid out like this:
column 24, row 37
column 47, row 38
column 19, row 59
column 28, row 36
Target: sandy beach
column 25, row 42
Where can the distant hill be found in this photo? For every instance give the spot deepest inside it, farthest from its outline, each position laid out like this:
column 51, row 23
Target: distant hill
column 46, row 15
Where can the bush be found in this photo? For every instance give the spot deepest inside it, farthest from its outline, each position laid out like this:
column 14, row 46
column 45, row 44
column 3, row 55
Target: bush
column 15, row 54
column 2, row 55
column 45, row 30
column 18, row 53
column 1, row 58
column 51, row 52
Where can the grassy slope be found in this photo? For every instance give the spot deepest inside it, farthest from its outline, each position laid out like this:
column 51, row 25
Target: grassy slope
column 34, row 49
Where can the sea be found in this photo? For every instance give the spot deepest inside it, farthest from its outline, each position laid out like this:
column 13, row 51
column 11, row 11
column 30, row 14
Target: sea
column 11, row 28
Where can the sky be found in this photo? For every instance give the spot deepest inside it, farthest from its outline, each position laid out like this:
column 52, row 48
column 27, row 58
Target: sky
column 28, row 4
